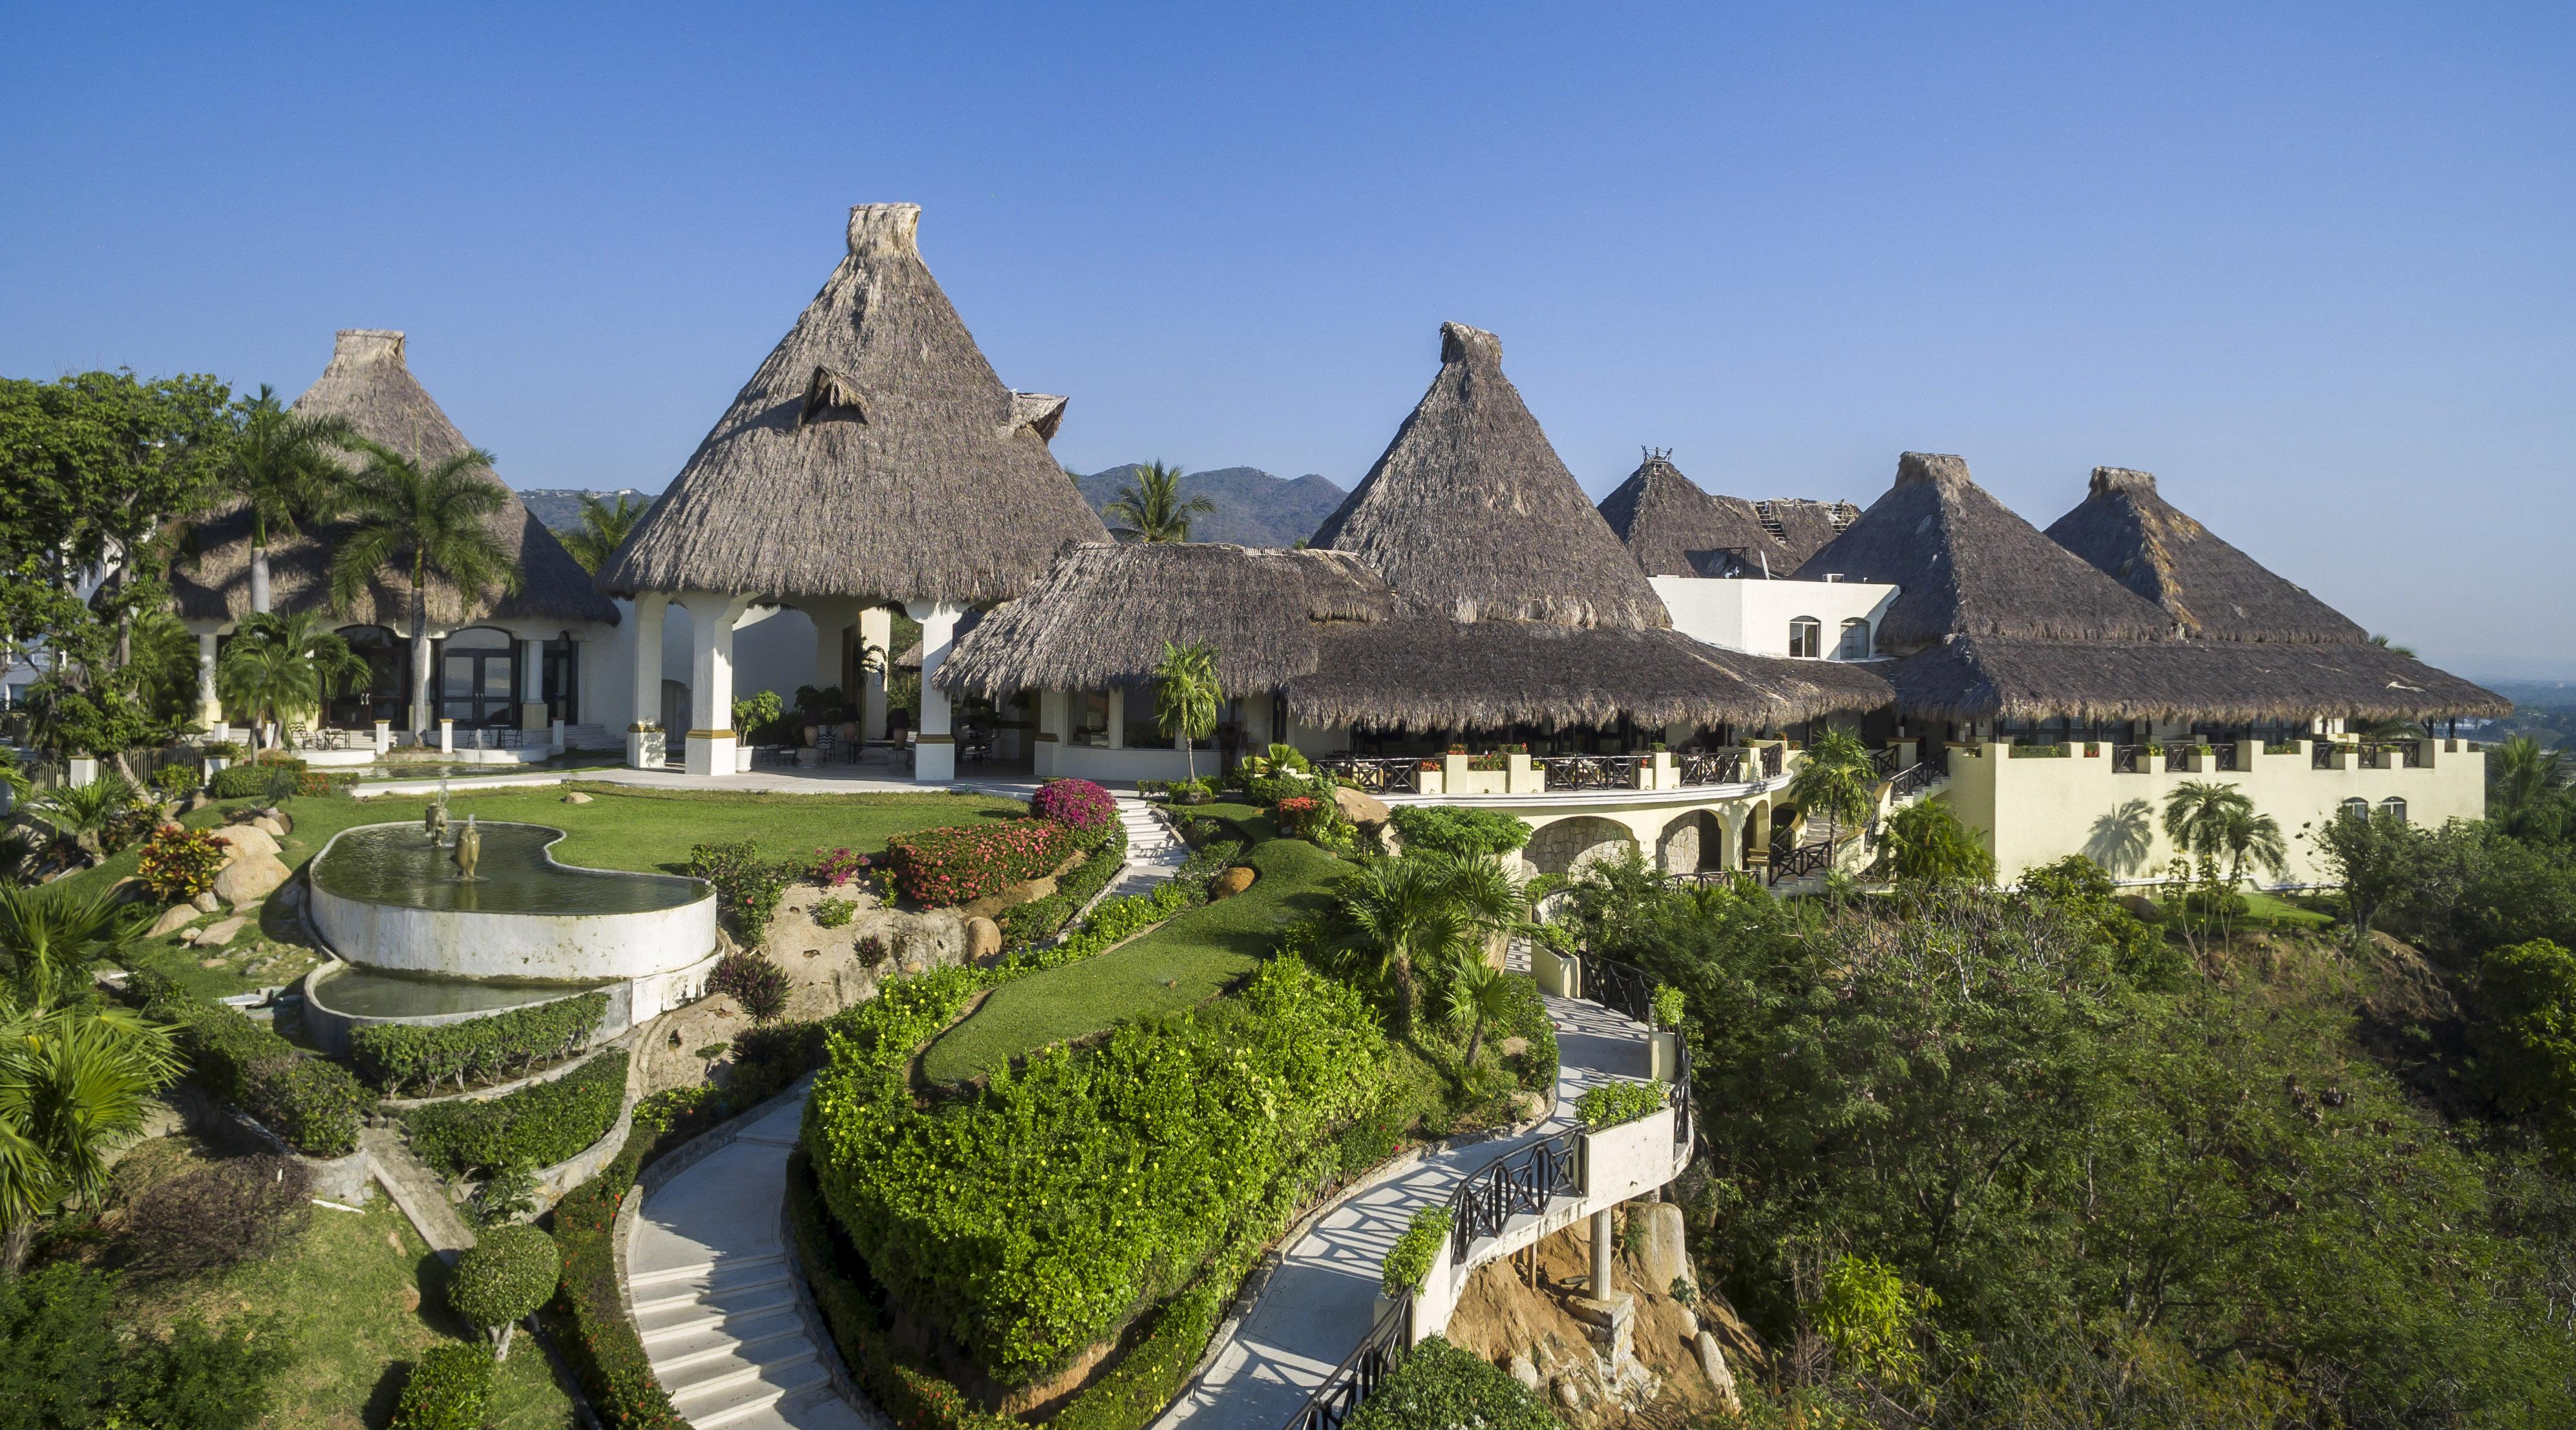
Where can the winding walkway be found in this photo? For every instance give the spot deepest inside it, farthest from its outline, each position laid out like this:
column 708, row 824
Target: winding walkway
column 1323, row 1298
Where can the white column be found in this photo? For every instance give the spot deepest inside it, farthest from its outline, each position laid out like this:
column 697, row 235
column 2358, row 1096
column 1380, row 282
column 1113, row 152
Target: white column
column 424, row 715
column 1053, row 726
column 1599, row 1290
column 711, row 734
column 210, row 711
column 935, row 751
column 1118, row 717
column 532, row 683
column 645, row 747
column 876, row 628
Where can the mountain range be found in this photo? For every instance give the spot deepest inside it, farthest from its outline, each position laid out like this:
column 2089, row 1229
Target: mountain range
column 1253, row 508
column 560, row 507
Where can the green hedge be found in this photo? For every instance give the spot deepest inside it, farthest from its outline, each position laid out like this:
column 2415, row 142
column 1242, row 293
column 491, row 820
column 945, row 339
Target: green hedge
column 508, row 1273
column 394, row 1056
column 1408, row 1262
column 315, row 1106
column 1611, row 1103
column 1466, row 833
column 937, row 868
column 533, row 1127
column 449, row 1389
column 586, row 1319
column 1438, row 1387
column 1025, row 924
column 1160, row 1145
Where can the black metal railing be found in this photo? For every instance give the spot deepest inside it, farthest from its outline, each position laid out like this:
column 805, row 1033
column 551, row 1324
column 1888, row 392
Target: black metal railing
column 2391, row 754
column 1360, row 1373
column 1911, row 780
column 2223, row 757
column 1577, row 772
column 2321, row 755
column 1798, row 861
column 2127, row 759
column 1883, row 761
column 1771, row 761
column 1375, row 775
column 1619, row 988
column 1711, row 767
column 1524, row 1183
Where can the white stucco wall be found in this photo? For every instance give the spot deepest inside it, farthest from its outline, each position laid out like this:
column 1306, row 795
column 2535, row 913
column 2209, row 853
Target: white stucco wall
column 775, row 652
column 1754, row 615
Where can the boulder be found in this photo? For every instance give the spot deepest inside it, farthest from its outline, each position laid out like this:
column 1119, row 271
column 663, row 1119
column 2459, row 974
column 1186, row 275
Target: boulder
column 1523, row 1371
column 576, row 797
column 173, row 919
column 250, row 878
column 1230, row 883
column 247, row 841
column 205, row 903
column 2139, row 906
column 222, row 933
column 1721, row 1381
column 1661, row 1257
column 992, row 904
column 983, row 940
column 270, row 825
column 1361, row 809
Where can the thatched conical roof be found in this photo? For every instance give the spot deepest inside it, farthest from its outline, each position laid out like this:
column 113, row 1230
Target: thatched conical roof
column 874, row 455
column 1804, row 527
column 1674, row 528
column 2216, row 592
column 369, row 384
column 1968, row 566
column 1985, row 678
column 1470, row 513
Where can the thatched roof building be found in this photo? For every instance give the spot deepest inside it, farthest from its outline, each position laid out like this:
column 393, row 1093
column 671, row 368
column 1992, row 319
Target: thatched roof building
column 2214, row 591
column 1969, row 566
column 369, row 384
column 874, row 455
column 1471, row 514
column 1674, row 528
column 1989, row 678
column 1804, row 527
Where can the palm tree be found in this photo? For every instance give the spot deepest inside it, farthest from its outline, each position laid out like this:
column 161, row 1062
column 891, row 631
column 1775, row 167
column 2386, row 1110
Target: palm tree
column 1402, row 916
column 1479, row 995
column 1152, row 510
column 430, row 522
column 1835, row 776
column 603, row 528
column 51, row 938
column 282, row 465
column 2256, row 839
column 85, row 813
column 1186, row 697
column 75, row 1080
column 2521, row 773
column 283, row 667
column 2199, row 815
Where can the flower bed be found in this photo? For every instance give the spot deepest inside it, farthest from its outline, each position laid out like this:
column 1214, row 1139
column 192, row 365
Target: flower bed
column 1025, row 924
column 937, row 868
column 1079, row 803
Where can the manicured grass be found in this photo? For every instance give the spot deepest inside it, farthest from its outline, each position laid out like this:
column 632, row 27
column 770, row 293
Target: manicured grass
column 2281, row 913
column 1180, row 964
column 359, row 1296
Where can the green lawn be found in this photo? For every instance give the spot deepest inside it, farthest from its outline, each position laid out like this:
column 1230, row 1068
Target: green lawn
column 1180, row 964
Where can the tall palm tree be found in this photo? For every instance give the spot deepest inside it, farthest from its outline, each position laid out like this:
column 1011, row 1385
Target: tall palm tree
column 429, row 522
column 283, row 465
column 283, row 667
column 2252, row 839
column 1152, row 510
column 1835, row 776
column 2199, row 815
column 603, row 528
column 1186, row 697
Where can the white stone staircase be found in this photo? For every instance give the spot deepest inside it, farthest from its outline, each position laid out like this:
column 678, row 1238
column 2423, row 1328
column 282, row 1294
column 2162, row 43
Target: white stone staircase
column 1154, row 852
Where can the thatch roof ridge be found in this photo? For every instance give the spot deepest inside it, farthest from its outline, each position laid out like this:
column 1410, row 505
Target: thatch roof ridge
column 874, row 454
column 1805, row 526
column 1969, row 566
column 1983, row 677
column 1471, row 513
column 369, row 382
column 2128, row 531
column 1673, row 527
column 1101, row 614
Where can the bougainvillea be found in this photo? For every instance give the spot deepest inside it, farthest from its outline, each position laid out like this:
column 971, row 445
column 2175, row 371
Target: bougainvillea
column 180, row 863
column 939, row 867
column 1080, row 803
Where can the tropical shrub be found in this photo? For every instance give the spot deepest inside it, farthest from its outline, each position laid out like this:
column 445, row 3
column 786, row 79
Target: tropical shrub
column 1079, row 803
column 1465, row 833
column 395, row 1056
column 747, row 886
column 833, row 913
column 834, row 867
column 587, row 1318
column 1029, row 1250
column 70, row 1355
column 315, row 1106
column 538, row 1126
column 1612, row 1103
column 504, row 1277
column 1408, row 1262
column 178, row 864
column 2528, row 1037
column 1300, row 815
column 1025, row 924
column 450, row 1388
column 235, row 1210
column 177, row 780
column 1667, row 1006
column 759, row 985
column 937, row 868
column 1438, row 1387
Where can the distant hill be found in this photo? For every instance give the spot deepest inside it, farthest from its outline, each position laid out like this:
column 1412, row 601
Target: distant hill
column 1253, row 508
column 560, row 507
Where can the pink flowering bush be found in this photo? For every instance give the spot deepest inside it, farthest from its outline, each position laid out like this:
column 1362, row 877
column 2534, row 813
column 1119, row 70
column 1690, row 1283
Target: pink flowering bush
column 1079, row 803
column 936, row 868
column 834, row 867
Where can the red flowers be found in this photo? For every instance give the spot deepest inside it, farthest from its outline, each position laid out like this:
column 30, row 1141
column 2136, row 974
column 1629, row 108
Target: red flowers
column 1080, row 803
column 939, row 867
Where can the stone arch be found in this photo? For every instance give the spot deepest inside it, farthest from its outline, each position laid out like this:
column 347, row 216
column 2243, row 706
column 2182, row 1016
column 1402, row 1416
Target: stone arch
column 1691, row 844
column 1568, row 846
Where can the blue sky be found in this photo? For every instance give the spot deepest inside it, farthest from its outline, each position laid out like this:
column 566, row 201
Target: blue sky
column 2310, row 265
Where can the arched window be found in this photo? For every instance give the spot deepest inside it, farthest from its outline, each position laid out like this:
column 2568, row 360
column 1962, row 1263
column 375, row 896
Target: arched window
column 2394, row 805
column 1806, row 638
column 1854, row 644
column 2357, row 806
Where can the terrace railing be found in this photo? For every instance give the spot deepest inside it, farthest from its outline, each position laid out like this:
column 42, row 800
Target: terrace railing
column 1580, row 772
column 1911, row 780
column 2126, row 759
column 1711, row 767
column 2392, row 754
column 2321, row 755
column 2223, row 757
column 1798, row 861
column 1771, row 758
column 1525, row 1183
column 1360, row 1373
column 1375, row 775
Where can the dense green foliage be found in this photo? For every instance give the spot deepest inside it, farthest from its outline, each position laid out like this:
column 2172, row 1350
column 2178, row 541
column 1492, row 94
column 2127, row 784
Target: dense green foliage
column 1460, row 830
column 1612, row 1103
column 1082, row 1188
column 2528, row 1038
column 395, row 1056
column 937, row 868
column 260, row 779
column 315, row 1106
column 587, row 1320
column 1440, row 1387
column 533, row 1127
column 1025, row 924
column 69, row 1358
column 1408, row 1263
column 747, row 886
column 506, row 1275
column 450, row 1388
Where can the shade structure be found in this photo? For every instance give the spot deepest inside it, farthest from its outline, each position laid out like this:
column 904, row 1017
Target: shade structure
column 1999, row 678
column 2129, row 532
column 1674, row 528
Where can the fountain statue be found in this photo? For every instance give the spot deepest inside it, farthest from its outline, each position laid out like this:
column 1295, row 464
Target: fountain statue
column 434, row 823
column 469, row 850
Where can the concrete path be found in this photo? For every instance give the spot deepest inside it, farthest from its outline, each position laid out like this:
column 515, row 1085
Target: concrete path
column 709, row 1278
column 1323, row 1297
column 1154, row 852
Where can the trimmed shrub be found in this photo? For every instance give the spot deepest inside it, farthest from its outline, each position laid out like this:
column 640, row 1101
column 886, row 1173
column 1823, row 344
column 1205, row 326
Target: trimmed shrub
column 1408, row 1262
column 1668, row 1006
column 588, row 1320
column 1025, row 924
column 1611, row 1103
column 449, row 1389
column 177, row 863
column 1466, row 833
column 759, row 985
column 505, row 1276
column 1438, row 1387
column 178, row 780
column 937, row 868
column 395, row 1056
column 1079, row 803
column 536, row 1126
column 232, row 1211
column 747, row 886
column 314, row 1105
column 262, row 780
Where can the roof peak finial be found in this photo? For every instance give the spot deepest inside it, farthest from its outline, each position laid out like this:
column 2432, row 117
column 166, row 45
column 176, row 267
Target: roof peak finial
column 1940, row 467
column 367, row 345
column 1458, row 341
column 2107, row 480
column 884, row 230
